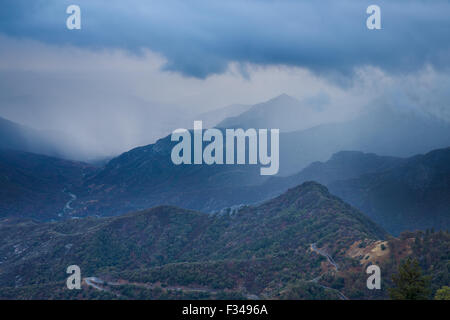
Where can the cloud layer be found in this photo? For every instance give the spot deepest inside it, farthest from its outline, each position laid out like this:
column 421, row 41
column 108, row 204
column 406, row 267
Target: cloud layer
column 139, row 69
column 199, row 38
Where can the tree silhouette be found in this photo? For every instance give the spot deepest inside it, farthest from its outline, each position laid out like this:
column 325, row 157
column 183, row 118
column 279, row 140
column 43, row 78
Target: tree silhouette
column 442, row 294
column 409, row 282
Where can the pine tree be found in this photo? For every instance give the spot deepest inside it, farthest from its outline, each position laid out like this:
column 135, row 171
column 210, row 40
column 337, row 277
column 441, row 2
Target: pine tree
column 409, row 282
column 442, row 294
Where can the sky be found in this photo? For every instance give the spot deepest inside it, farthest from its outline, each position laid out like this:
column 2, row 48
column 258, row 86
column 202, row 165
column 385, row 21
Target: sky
column 137, row 69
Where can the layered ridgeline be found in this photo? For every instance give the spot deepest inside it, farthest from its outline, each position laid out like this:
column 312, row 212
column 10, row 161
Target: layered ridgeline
column 145, row 176
column 310, row 132
column 148, row 171
column 383, row 131
column 252, row 251
column 304, row 244
column 283, row 112
column 398, row 193
column 37, row 186
column 415, row 194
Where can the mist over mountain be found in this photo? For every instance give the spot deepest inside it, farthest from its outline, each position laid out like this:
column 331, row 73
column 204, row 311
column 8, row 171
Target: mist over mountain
column 18, row 137
column 36, row 186
column 384, row 130
column 413, row 195
column 146, row 177
column 282, row 112
column 314, row 129
column 212, row 118
column 311, row 133
column 96, row 131
column 95, row 97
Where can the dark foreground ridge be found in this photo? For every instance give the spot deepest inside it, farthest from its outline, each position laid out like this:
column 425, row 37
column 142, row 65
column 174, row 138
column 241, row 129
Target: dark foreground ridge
column 166, row 252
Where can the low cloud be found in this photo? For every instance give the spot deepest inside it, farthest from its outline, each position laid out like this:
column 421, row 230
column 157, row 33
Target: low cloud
column 135, row 73
column 200, row 38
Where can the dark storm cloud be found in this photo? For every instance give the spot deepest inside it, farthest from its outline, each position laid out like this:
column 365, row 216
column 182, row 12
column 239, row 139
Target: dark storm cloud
column 200, row 38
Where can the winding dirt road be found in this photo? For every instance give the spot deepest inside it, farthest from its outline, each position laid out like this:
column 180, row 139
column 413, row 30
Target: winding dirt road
column 334, row 264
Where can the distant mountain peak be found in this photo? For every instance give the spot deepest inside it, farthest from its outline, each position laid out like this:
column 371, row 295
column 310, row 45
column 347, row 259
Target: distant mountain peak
column 285, row 98
column 307, row 187
column 347, row 154
column 283, row 112
column 305, row 195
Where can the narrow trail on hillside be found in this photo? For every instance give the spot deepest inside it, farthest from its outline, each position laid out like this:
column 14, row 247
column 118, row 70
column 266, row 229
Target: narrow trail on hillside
column 67, row 207
column 334, row 264
column 99, row 284
column 326, row 255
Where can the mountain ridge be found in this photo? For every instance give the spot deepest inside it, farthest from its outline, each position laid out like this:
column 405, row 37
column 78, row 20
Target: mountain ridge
column 165, row 235
column 33, row 185
column 274, row 250
column 262, row 115
column 413, row 195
